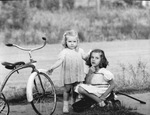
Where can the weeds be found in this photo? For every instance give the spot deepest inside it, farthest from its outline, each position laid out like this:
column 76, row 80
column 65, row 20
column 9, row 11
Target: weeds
column 133, row 76
column 23, row 25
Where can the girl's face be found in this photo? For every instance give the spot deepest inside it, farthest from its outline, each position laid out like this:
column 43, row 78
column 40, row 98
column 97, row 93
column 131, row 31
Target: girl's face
column 95, row 59
column 71, row 42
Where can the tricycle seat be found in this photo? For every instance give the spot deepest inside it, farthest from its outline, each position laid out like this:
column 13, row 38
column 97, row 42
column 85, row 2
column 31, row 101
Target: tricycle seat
column 9, row 65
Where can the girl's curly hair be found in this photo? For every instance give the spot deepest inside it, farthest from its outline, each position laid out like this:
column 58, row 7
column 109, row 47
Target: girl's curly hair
column 103, row 63
column 71, row 33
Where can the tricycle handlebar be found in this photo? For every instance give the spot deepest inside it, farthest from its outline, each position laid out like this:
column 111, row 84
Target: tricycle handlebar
column 27, row 49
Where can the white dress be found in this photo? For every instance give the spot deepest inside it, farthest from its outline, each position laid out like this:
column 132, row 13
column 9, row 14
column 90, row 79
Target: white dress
column 99, row 82
column 72, row 69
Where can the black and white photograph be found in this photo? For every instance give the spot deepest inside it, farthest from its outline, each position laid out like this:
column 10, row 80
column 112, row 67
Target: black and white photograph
column 74, row 57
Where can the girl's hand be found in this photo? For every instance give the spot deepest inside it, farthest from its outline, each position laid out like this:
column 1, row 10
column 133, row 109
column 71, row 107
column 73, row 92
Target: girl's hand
column 86, row 57
column 101, row 104
column 50, row 71
column 102, row 99
column 92, row 69
column 89, row 52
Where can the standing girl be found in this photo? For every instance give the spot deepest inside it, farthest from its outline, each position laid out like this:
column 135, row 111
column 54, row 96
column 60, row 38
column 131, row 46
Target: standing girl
column 72, row 65
column 99, row 81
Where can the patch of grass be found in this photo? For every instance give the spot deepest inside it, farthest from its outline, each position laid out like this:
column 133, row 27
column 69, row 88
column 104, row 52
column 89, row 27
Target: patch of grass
column 104, row 111
column 16, row 96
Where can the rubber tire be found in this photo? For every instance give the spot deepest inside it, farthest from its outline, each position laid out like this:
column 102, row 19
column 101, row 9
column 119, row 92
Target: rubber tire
column 38, row 95
column 4, row 106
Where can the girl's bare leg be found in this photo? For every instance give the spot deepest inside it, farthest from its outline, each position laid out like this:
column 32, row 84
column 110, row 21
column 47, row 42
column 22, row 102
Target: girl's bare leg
column 67, row 89
column 73, row 94
column 85, row 93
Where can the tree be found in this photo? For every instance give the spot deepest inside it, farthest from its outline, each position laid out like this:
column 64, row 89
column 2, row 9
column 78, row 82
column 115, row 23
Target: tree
column 60, row 5
column 98, row 3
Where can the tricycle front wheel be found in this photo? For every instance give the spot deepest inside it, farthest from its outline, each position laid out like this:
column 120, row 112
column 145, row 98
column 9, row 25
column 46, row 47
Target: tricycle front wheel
column 44, row 95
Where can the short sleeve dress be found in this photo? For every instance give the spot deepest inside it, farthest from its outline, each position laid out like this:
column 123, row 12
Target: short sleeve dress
column 99, row 82
column 72, row 69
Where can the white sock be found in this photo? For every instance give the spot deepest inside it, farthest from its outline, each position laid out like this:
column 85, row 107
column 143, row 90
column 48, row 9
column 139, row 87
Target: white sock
column 65, row 103
column 65, row 107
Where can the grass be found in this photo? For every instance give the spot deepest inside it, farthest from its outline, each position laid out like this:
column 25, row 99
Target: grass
column 103, row 111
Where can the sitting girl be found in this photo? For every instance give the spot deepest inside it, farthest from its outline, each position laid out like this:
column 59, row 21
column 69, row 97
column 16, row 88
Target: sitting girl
column 99, row 82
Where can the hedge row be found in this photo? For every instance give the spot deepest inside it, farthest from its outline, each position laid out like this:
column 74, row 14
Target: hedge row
column 24, row 25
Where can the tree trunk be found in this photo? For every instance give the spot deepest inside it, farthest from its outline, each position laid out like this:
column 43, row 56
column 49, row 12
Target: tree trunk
column 60, row 5
column 42, row 4
column 98, row 3
column 0, row 5
column 28, row 3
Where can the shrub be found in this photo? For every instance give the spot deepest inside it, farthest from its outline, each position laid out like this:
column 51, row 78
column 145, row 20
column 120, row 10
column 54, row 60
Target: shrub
column 133, row 77
column 109, row 25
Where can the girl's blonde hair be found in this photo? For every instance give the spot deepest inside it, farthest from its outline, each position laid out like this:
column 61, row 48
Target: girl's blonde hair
column 70, row 33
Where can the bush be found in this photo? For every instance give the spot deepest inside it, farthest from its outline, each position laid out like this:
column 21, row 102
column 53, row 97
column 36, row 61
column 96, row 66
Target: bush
column 52, row 5
column 68, row 4
column 133, row 77
column 109, row 25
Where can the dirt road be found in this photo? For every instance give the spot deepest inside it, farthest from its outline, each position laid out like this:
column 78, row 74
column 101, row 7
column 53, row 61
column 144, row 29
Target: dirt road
column 128, row 102
column 141, row 108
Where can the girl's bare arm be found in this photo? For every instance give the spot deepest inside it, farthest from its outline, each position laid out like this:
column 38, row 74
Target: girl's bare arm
column 89, row 75
column 111, row 87
column 85, row 56
column 57, row 64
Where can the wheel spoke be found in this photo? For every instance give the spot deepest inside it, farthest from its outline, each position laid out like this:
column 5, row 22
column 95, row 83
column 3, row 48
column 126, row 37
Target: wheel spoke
column 4, row 107
column 44, row 95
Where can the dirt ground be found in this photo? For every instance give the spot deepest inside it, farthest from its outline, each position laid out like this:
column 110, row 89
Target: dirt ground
column 128, row 102
column 140, row 108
